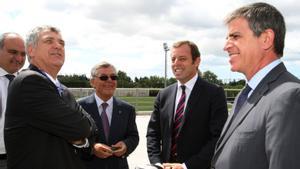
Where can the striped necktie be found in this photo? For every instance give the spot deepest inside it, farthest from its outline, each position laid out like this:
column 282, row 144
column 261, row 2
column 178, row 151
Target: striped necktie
column 177, row 121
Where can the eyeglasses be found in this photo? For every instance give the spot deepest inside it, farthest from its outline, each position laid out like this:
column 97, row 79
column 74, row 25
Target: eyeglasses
column 105, row 77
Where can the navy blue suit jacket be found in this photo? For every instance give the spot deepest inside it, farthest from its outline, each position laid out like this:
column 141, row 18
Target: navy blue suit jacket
column 205, row 115
column 123, row 128
column 40, row 124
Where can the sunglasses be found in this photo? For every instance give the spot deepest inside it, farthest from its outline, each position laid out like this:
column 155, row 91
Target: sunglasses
column 105, row 77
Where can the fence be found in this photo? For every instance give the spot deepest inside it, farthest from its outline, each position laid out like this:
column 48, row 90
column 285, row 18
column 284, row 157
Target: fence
column 142, row 92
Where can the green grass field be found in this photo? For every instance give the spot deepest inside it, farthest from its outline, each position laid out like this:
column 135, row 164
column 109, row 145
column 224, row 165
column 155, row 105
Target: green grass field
column 146, row 103
column 140, row 103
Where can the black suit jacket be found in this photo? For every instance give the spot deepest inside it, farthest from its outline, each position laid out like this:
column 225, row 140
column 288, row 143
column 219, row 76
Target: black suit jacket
column 205, row 115
column 40, row 124
column 123, row 128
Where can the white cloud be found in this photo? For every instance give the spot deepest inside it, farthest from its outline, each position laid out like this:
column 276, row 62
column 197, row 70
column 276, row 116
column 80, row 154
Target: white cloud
column 130, row 33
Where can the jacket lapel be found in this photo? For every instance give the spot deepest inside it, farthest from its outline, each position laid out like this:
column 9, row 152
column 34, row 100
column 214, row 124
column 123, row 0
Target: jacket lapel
column 115, row 120
column 171, row 105
column 94, row 112
column 191, row 101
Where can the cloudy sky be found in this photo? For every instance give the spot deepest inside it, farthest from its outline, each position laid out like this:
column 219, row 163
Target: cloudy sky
column 130, row 33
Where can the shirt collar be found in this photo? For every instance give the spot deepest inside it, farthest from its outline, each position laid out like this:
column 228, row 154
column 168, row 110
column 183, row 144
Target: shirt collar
column 189, row 84
column 55, row 81
column 257, row 78
column 4, row 72
column 99, row 101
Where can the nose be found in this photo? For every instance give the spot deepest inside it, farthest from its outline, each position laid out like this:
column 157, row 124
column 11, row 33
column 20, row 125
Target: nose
column 227, row 45
column 175, row 61
column 20, row 57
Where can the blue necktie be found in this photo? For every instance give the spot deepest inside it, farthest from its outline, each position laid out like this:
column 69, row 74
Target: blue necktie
column 242, row 98
column 60, row 88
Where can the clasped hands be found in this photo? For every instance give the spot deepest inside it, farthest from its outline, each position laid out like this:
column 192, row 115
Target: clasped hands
column 104, row 151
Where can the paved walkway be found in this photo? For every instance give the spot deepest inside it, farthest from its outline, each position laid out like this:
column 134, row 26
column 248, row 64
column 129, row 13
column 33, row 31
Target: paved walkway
column 139, row 156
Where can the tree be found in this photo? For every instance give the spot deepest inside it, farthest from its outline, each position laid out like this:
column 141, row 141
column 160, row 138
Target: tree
column 211, row 77
column 235, row 84
column 124, row 81
column 74, row 80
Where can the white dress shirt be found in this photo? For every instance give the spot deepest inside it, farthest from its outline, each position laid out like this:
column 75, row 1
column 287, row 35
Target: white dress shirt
column 109, row 108
column 3, row 94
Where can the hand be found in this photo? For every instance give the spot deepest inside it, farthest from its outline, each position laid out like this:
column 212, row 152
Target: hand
column 173, row 166
column 120, row 148
column 102, row 150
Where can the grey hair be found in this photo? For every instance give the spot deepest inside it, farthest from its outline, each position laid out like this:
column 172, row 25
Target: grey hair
column 103, row 64
column 33, row 35
column 262, row 16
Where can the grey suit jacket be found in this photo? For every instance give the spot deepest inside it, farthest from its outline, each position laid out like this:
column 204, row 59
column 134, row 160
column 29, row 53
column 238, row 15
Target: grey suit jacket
column 265, row 133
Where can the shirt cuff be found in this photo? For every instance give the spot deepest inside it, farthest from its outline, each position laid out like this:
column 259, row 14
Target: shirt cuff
column 85, row 145
column 184, row 166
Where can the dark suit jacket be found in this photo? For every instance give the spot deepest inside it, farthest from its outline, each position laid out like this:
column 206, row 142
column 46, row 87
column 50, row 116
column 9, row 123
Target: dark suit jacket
column 265, row 132
column 40, row 124
column 123, row 128
column 205, row 115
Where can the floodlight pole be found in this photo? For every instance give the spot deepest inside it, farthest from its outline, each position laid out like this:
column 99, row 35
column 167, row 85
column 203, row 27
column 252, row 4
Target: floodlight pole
column 166, row 49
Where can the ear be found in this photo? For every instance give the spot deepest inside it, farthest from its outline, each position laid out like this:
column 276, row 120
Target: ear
column 30, row 51
column 198, row 61
column 92, row 82
column 267, row 39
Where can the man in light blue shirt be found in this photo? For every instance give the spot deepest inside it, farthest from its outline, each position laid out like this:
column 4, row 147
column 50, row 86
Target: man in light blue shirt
column 264, row 132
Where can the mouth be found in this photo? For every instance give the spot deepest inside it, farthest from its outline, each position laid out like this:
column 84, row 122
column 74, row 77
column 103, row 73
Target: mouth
column 178, row 70
column 233, row 53
column 55, row 54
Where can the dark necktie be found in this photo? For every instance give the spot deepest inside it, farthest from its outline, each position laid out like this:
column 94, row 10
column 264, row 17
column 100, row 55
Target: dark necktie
column 177, row 120
column 105, row 122
column 242, row 98
column 60, row 88
column 10, row 77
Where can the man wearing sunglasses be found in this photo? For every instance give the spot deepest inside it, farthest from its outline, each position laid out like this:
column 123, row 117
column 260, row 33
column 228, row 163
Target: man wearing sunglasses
column 115, row 120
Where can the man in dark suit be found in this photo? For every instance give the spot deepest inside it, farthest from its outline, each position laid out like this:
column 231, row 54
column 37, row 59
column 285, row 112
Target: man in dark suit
column 263, row 131
column 186, row 121
column 44, row 126
column 115, row 119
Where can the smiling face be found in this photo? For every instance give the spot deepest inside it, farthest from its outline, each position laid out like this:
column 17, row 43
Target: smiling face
column 104, row 88
column 49, row 52
column 245, row 50
column 183, row 66
column 12, row 55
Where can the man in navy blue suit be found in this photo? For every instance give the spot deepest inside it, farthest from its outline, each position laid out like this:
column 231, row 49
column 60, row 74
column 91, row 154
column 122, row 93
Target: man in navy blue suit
column 203, row 114
column 115, row 120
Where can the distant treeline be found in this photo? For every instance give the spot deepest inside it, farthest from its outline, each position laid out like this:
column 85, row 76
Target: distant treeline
column 124, row 81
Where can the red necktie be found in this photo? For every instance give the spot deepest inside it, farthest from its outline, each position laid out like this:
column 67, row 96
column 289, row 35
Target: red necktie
column 105, row 122
column 177, row 120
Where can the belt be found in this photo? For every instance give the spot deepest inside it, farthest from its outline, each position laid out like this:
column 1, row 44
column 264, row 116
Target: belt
column 3, row 156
